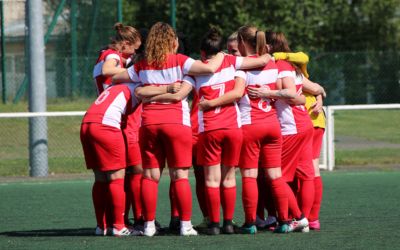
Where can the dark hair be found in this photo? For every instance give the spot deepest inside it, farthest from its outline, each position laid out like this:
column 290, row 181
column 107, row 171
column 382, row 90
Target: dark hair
column 139, row 53
column 212, row 42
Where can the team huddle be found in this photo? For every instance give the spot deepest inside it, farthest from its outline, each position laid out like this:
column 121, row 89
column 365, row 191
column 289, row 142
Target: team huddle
column 253, row 109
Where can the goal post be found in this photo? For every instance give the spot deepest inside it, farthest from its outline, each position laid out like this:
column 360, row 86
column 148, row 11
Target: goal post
column 330, row 132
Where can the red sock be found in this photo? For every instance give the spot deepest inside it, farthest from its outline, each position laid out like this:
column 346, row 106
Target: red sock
column 249, row 198
column 262, row 196
column 117, row 194
column 128, row 199
column 213, row 203
column 306, row 196
column 228, row 200
column 149, row 198
column 135, row 183
column 99, row 197
column 200, row 189
column 269, row 202
column 318, row 186
column 183, row 198
column 172, row 201
column 280, row 197
column 294, row 210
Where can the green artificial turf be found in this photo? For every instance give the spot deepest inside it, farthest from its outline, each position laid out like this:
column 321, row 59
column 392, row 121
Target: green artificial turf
column 360, row 210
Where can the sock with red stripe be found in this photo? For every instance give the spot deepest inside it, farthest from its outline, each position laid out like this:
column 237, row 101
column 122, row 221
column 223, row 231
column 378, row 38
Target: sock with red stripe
column 280, row 197
column 249, row 198
column 172, row 200
column 306, row 196
column 99, row 197
column 228, row 200
column 183, row 198
column 135, row 182
column 318, row 186
column 149, row 198
column 117, row 194
column 213, row 202
column 200, row 189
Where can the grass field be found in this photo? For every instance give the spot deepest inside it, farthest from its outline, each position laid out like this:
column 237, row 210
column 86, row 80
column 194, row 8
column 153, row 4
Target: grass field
column 361, row 210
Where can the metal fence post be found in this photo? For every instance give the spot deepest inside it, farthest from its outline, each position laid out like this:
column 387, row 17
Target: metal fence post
column 38, row 148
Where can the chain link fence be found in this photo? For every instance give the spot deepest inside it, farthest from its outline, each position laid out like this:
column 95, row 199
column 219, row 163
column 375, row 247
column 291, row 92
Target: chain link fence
column 63, row 143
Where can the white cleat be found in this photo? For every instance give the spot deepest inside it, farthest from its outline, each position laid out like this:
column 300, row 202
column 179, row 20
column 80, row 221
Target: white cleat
column 305, row 229
column 298, row 225
column 149, row 229
column 120, row 233
column 190, row 231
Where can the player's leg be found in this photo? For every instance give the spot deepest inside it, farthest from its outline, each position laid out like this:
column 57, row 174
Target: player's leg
column 231, row 141
column 318, row 185
column 153, row 159
column 116, row 190
column 179, row 158
column 212, row 177
column 99, row 197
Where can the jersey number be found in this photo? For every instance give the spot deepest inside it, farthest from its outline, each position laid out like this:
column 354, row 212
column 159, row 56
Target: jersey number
column 221, row 88
column 102, row 97
column 264, row 103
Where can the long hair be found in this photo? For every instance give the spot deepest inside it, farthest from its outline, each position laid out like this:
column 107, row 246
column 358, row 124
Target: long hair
column 124, row 33
column 211, row 43
column 160, row 42
column 278, row 43
column 253, row 37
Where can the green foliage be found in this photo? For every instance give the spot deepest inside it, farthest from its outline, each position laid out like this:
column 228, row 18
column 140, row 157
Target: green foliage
column 336, row 25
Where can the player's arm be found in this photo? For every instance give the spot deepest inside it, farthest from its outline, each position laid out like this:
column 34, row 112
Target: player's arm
column 288, row 84
column 255, row 62
column 313, row 88
column 261, row 92
column 110, row 67
column 317, row 107
column 122, row 77
column 200, row 68
column 227, row 98
column 298, row 58
column 150, row 91
column 172, row 97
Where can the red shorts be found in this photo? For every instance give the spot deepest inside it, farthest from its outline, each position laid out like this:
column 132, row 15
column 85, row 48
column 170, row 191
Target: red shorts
column 133, row 156
column 297, row 156
column 170, row 141
column 317, row 141
column 261, row 142
column 103, row 147
column 219, row 146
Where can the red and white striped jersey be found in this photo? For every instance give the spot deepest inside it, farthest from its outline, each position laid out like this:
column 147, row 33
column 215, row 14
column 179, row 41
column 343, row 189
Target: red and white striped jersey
column 113, row 105
column 213, row 86
column 173, row 70
column 258, row 110
column 102, row 82
column 293, row 118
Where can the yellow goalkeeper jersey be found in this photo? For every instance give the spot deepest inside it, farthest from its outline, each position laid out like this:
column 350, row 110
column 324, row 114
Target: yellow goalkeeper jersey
column 318, row 120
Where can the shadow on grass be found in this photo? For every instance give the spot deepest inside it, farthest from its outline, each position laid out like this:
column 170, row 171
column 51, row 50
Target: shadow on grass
column 70, row 232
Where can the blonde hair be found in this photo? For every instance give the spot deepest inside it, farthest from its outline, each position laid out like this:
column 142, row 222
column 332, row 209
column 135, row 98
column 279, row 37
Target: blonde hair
column 124, row 33
column 160, row 42
column 253, row 37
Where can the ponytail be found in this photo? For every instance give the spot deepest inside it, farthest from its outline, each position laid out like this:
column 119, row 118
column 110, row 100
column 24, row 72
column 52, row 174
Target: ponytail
column 261, row 44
